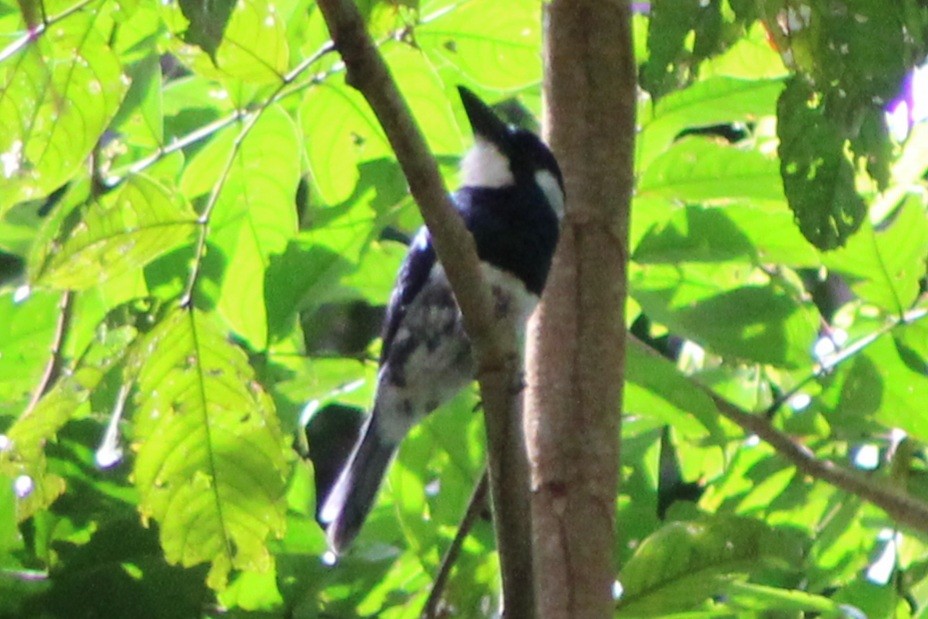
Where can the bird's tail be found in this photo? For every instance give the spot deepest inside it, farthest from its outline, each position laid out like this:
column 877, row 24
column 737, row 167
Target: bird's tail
column 352, row 497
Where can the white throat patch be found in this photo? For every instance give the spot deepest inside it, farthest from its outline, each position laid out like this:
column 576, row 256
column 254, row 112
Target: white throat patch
column 485, row 166
column 552, row 190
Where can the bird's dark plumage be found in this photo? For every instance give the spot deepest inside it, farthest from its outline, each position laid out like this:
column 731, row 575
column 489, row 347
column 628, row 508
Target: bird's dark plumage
column 511, row 201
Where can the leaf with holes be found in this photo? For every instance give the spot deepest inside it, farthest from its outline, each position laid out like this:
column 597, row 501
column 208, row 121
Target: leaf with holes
column 212, row 461
column 817, row 177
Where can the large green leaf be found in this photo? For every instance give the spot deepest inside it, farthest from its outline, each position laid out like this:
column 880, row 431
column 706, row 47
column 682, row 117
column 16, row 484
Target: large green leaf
column 249, row 46
column 338, row 125
column 490, row 43
column 27, row 328
column 884, row 266
column 714, row 101
column 879, row 385
column 685, row 563
column 56, row 98
column 253, row 180
column 702, row 170
column 739, row 232
column 212, row 462
column 708, row 305
column 118, row 232
column 656, row 388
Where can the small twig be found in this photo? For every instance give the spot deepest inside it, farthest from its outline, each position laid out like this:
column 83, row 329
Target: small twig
column 476, row 504
column 34, row 31
column 55, row 361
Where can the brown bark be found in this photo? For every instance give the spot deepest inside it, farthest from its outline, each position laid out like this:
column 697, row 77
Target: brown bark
column 576, row 351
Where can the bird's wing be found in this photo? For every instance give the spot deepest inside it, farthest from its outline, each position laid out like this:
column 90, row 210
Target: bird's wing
column 409, row 282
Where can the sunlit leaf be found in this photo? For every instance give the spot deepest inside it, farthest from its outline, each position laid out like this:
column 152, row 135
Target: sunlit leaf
column 55, row 102
column 208, row 22
column 24, row 460
column 492, row 44
column 884, row 266
column 713, row 101
column 249, row 45
column 700, row 170
column 254, row 217
column 758, row 323
column 211, row 461
column 338, row 125
column 655, row 388
column 118, row 232
column 27, row 328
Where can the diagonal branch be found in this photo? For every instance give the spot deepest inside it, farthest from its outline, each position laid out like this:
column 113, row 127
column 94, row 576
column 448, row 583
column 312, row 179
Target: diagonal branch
column 900, row 506
column 56, row 359
column 498, row 370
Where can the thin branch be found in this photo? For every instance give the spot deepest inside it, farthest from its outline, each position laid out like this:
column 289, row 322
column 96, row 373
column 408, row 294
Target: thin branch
column 476, row 504
column 34, row 31
column 900, row 506
column 495, row 352
column 828, row 363
column 281, row 92
column 251, row 119
column 56, row 360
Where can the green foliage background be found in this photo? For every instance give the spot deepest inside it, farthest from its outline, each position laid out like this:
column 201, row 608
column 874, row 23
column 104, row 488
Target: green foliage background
column 195, row 210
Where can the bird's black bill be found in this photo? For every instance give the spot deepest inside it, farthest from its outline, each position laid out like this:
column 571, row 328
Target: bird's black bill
column 482, row 119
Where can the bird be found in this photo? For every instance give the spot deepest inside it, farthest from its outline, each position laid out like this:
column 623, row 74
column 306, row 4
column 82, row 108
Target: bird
column 511, row 200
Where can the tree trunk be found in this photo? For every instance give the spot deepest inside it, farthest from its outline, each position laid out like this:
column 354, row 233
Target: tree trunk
column 577, row 348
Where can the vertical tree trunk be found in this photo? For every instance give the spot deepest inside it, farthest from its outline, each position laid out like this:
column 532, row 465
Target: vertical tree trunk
column 577, row 351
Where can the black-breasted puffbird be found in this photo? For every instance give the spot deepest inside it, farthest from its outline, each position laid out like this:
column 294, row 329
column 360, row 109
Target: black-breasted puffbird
column 511, row 200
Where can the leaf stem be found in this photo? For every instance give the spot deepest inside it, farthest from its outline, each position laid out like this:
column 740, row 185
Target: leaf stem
column 56, row 361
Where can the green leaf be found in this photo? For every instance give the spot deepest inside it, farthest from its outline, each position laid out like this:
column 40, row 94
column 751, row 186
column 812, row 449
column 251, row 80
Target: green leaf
column 338, row 125
column 249, row 46
column 212, row 462
column 685, row 563
column 713, row 101
column 884, row 266
column 680, row 34
column 879, row 385
column 118, row 233
column 695, row 234
column 492, row 44
column 656, row 388
column 25, row 460
column 428, row 98
column 208, row 22
column 27, row 328
column 304, row 276
column 254, row 218
column 702, row 170
column 758, row 323
column 55, row 102
column 817, row 177
column 750, row 596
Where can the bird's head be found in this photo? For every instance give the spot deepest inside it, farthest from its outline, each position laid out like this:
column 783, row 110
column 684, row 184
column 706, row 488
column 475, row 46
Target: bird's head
column 505, row 156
